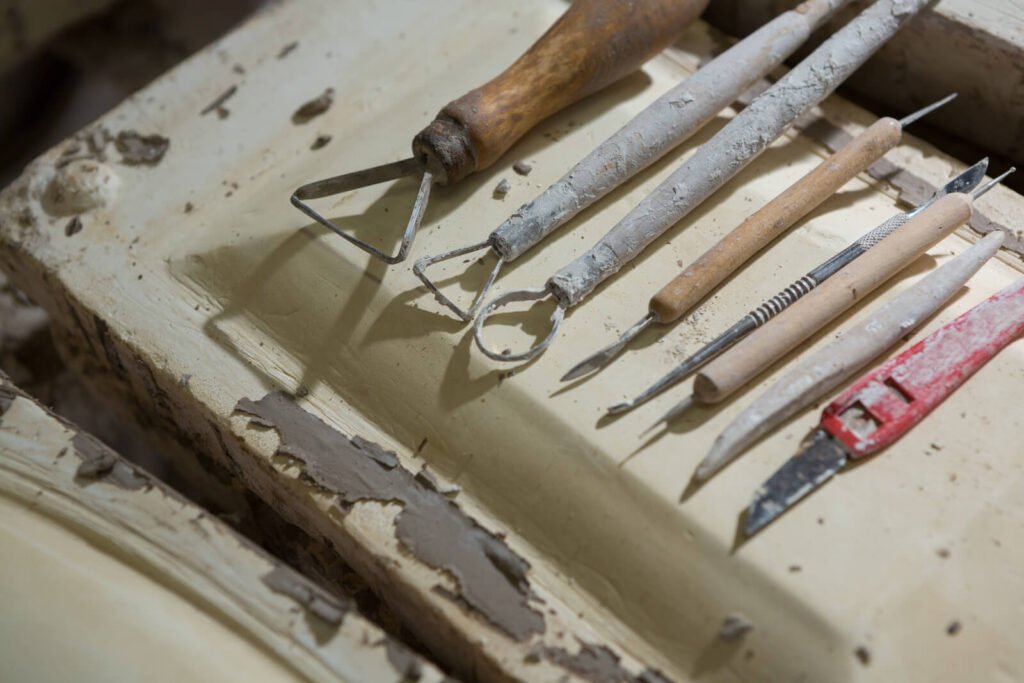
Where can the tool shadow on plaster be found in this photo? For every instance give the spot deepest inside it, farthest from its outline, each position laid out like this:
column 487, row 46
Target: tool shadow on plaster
column 458, row 386
column 268, row 283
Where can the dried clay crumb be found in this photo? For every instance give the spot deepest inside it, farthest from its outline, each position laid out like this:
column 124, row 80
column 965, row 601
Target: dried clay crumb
column 315, row 107
column 218, row 104
column 522, row 168
column 734, row 627
column 141, row 149
column 287, row 49
column 502, row 188
column 320, row 142
column 73, row 227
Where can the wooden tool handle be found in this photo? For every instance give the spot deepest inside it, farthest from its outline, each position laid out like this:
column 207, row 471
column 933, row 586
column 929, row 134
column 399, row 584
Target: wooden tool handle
column 701, row 277
column 766, row 345
column 593, row 44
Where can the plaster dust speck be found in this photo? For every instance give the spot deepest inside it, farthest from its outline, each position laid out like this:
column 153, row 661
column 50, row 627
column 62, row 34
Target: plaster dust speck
column 246, row 297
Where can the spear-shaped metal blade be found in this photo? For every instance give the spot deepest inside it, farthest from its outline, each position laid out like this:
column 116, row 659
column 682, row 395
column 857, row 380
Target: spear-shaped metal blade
column 804, row 472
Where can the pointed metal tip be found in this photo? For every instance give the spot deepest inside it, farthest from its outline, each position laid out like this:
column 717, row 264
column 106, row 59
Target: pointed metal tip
column 600, row 359
column 992, row 183
column 676, row 410
column 821, row 458
column 911, row 118
column 760, row 513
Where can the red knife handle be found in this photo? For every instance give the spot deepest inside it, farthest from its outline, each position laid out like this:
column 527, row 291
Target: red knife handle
column 887, row 402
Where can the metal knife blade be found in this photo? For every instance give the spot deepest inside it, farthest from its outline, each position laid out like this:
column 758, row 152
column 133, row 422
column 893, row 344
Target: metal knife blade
column 822, row 458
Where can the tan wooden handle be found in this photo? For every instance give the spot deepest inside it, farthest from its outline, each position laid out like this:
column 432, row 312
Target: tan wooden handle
column 764, row 346
column 593, row 44
column 701, row 277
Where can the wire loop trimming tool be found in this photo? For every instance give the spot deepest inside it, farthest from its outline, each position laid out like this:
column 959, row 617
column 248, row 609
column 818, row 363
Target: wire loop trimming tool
column 648, row 136
column 594, row 43
column 716, row 161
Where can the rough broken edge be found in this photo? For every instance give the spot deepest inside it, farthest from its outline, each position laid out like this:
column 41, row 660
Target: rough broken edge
column 101, row 466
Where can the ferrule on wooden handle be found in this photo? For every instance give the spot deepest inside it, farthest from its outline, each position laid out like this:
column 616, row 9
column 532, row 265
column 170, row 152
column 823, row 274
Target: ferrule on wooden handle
column 701, row 277
column 593, row 44
column 762, row 348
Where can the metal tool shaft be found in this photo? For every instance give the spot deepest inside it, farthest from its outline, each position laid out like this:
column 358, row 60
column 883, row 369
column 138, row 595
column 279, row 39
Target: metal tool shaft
column 964, row 182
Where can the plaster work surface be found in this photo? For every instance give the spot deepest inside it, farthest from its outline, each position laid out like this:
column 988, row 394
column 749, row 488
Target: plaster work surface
column 198, row 266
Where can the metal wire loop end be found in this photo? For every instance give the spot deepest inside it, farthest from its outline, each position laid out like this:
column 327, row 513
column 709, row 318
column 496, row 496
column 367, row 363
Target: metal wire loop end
column 420, row 267
column 364, row 178
column 531, row 294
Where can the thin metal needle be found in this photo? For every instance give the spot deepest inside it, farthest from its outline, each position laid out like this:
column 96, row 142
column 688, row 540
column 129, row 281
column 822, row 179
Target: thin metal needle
column 608, row 353
column 677, row 410
column 910, row 118
column 992, row 183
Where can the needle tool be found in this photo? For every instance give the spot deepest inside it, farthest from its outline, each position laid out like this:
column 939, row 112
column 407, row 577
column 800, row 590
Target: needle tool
column 888, row 402
column 701, row 277
column 757, row 352
column 660, row 127
column 965, row 182
column 733, row 147
column 594, row 43
column 829, row 367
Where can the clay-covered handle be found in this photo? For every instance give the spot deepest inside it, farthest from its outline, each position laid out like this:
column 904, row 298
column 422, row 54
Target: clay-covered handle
column 701, row 277
column 593, row 44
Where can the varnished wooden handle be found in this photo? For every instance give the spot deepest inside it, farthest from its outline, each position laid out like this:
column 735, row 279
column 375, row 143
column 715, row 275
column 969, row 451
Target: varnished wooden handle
column 762, row 348
column 593, row 44
column 701, row 277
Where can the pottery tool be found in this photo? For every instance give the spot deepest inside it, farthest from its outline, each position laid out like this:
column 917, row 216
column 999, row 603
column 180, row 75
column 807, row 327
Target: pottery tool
column 737, row 144
column 965, row 182
column 758, row 351
column 595, row 43
column 700, row 278
column 827, row 368
column 889, row 401
column 648, row 136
